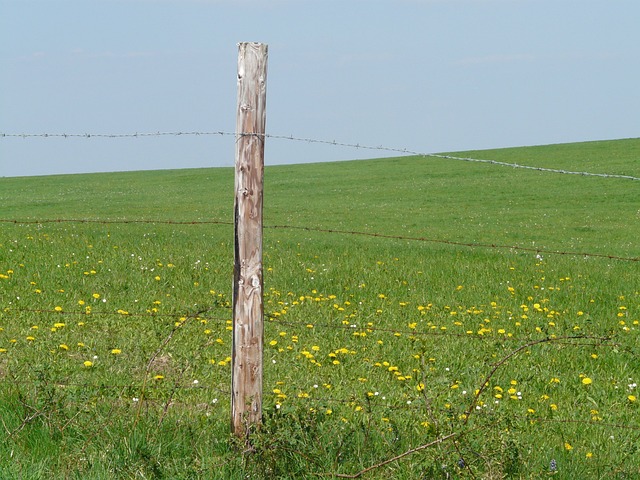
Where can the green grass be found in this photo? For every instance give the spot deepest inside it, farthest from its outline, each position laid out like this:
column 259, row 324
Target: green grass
column 374, row 346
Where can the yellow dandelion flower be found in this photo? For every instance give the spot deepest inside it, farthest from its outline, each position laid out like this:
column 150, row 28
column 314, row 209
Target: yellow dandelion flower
column 587, row 381
column 88, row 363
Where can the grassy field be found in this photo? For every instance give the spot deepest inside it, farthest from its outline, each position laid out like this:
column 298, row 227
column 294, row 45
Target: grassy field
column 475, row 321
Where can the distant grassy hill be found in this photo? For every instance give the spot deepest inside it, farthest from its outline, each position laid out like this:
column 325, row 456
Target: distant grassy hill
column 430, row 197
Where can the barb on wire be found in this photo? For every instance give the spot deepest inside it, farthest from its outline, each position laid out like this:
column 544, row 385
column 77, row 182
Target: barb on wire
column 404, row 151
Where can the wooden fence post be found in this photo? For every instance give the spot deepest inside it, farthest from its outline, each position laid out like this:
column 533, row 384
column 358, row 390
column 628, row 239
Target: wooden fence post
column 248, row 314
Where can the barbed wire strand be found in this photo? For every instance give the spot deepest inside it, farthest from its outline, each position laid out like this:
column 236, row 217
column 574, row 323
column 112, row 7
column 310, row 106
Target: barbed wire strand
column 404, row 151
column 460, row 244
column 117, row 222
column 313, row 324
column 329, row 230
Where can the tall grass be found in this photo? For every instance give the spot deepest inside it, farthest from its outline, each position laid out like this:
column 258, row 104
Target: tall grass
column 115, row 337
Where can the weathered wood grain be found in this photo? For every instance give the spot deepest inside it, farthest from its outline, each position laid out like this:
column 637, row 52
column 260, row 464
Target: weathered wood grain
column 248, row 314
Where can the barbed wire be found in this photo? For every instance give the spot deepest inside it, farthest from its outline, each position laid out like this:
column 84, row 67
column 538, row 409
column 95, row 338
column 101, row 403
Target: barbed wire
column 373, row 403
column 123, row 386
column 538, row 251
column 116, row 222
column 91, row 313
column 404, row 151
column 460, row 244
column 113, row 135
column 311, row 324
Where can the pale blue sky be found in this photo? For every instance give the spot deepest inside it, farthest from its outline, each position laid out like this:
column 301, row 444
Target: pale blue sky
column 426, row 75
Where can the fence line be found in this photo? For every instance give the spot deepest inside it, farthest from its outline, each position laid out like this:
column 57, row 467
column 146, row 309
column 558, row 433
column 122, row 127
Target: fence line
column 585, row 340
column 117, row 222
column 404, row 151
column 538, row 251
column 127, row 314
column 373, row 402
column 130, row 386
column 459, row 244
column 416, row 403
